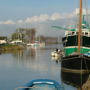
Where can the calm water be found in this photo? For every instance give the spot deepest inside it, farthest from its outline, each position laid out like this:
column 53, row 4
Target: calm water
column 18, row 68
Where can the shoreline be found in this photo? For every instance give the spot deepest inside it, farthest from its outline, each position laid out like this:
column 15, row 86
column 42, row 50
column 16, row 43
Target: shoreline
column 10, row 47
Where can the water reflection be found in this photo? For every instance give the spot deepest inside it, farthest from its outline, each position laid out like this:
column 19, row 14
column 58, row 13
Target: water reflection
column 74, row 79
column 25, row 54
column 26, row 58
column 20, row 67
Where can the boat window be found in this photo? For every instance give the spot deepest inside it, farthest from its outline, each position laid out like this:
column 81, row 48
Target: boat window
column 73, row 33
column 82, row 33
column 69, row 33
column 86, row 33
column 76, row 33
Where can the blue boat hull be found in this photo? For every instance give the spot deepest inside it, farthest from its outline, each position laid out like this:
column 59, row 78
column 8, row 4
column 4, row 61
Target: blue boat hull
column 43, row 84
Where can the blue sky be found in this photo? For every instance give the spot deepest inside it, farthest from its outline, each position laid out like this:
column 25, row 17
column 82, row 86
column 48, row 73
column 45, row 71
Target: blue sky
column 27, row 11
column 15, row 9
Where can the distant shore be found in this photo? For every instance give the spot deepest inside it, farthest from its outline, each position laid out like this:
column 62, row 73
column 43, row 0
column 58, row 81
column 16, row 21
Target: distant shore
column 9, row 47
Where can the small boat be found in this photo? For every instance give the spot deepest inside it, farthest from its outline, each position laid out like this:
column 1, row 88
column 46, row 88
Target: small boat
column 56, row 53
column 43, row 84
column 36, row 44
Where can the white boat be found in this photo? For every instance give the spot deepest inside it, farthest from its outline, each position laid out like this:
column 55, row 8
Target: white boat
column 36, row 44
column 56, row 53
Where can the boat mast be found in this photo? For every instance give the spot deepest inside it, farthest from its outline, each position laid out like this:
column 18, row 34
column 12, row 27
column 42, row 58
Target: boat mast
column 80, row 27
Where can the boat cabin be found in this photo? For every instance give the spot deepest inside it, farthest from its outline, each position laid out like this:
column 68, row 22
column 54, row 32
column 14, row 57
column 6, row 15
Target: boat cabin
column 71, row 33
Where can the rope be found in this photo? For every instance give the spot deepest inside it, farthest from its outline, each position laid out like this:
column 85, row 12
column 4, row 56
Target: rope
column 81, row 71
column 86, row 6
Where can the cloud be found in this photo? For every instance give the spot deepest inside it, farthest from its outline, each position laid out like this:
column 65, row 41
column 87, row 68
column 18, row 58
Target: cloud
column 76, row 12
column 45, row 17
column 19, row 22
column 34, row 19
column 7, row 22
column 56, row 16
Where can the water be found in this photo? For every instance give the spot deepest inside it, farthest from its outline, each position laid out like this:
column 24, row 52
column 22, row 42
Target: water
column 19, row 67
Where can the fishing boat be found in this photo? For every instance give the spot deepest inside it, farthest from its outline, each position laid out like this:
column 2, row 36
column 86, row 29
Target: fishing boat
column 77, row 45
column 43, row 84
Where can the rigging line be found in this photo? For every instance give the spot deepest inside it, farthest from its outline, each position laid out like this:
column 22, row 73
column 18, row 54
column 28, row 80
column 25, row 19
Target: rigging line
column 81, row 70
column 86, row 7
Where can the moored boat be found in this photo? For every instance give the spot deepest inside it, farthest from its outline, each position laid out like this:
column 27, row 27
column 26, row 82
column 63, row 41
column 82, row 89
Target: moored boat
column 77, row 45
column 76, row 62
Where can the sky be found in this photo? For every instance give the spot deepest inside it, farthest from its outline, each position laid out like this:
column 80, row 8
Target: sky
column 18, row 9
column 35, row 13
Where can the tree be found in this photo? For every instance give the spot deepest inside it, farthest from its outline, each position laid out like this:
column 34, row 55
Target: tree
column 24, row 34
column 31, row 34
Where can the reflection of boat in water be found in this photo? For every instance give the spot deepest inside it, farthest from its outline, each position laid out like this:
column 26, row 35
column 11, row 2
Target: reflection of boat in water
column 74, row 79
column 86, row 86
column 43, row 84
column 56, row 58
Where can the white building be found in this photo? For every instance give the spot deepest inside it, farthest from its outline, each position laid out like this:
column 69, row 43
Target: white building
column 16, row 42
column 3, row 41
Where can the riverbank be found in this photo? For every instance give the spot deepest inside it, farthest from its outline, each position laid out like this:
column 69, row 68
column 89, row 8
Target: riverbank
column 9, row 47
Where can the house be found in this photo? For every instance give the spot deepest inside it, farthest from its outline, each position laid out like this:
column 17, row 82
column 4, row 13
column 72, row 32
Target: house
column 3, row 40
column 16, row 42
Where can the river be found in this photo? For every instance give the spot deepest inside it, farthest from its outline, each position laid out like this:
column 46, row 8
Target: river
column 19, row 67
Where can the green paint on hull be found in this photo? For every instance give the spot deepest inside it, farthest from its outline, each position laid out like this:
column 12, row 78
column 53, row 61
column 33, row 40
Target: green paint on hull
column 70, row 50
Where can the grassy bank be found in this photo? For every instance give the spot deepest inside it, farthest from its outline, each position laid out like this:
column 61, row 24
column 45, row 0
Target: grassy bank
column 8, row 47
